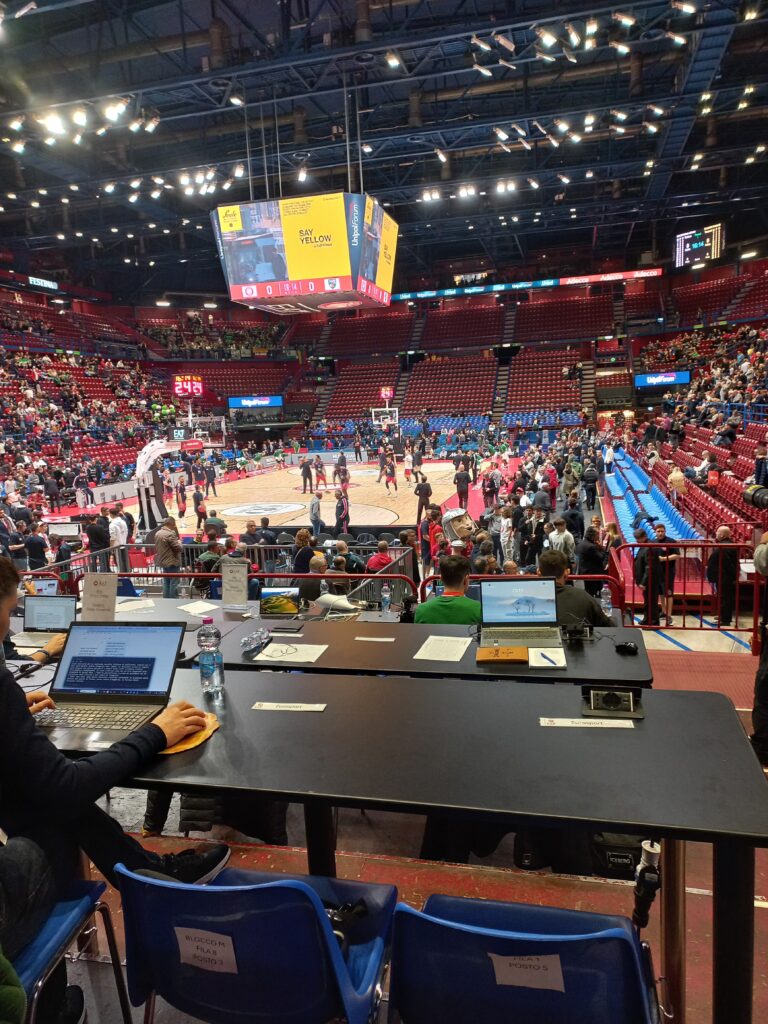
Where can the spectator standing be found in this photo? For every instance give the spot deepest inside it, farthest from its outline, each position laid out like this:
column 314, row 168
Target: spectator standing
column 37, row 547
column 590, row 480
column 461, row 481
column 168, row 553
column 118, row 538
column 592, row 558
column 723, row 574
column 648, row 576
column 668, row 558
column 315, row 519
column 342, row 513
column 561, row 539
column 423, row 491
column 306, row 475
column 210, row 480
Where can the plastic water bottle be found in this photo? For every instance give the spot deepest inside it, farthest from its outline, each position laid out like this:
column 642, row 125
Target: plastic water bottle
column 605, row 600
column 386, row 598
column 210, row 659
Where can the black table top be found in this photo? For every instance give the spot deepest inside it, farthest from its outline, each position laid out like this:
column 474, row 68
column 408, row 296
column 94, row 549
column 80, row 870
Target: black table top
column 591, row 661
column 686, row 770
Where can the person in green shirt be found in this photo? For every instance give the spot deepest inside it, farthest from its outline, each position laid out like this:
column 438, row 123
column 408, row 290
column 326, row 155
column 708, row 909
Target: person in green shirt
column 453, row 606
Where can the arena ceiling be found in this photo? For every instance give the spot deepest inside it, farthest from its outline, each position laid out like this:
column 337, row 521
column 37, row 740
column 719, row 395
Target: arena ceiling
column 490, row 130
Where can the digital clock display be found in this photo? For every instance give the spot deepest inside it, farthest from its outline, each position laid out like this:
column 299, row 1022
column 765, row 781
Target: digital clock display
column 699, row 246
column 187, row 385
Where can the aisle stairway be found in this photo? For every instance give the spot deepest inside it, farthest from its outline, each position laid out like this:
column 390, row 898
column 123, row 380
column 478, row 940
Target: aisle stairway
column 502, row 389
column 402, row 387
column 418, row 330
column 322, row 338
column 618, row 313
column 324, row 396
column 749, row 284
column 588, row 391
column 508, row 331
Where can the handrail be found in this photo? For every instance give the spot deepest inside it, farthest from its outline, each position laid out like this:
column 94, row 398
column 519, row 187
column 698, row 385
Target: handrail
column 604, row 578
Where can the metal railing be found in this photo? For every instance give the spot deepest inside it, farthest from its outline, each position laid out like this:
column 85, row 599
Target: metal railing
column 617, row 597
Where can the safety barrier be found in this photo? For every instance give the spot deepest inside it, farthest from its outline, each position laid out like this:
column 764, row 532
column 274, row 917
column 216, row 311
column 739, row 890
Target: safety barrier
column 617, row 594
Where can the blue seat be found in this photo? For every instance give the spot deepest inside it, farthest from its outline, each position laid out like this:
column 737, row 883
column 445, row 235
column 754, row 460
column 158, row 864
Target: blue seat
column 254, row 947
column 126, row 588
column 68, row 919
column 214, row 590
column 481, row 962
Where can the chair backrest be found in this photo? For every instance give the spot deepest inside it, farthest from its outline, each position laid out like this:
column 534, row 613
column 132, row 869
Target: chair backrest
column 125, row 587
column 246, row 954
column 285, row 538
column 214, row 591
column 443, row 970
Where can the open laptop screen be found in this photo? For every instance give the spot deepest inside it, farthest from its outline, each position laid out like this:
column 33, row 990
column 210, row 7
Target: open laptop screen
column 47, row 586
column 279, row 601
column 114, row 658
column 518, row 602
column 49, row 614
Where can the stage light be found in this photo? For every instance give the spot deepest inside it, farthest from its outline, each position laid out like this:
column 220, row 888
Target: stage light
column 750, row 14
column 650, row 128
column 658, row 111
column 151, row 226
column 102, row 130
column 544, row 56
column 505, row 147
column 533, row 183
column 302, row 175
column 110, row 187
column 573, row 34
column 649, row 163
column 367, row 147
column 238, row 171
column 80, row 116
column 115, row 110
column 467, row 191
column 760, row 148
column 18, row 147
column 483, row 70
column 684, row 6
column 750, row 159
column 135, row 182
column 507, row 64
column 51, row 141
column 591, row 27
column 625, row 20
column 501, row 134
column 562, row 126
column 166, row 231
column 553, row 141
column 152, row 121
column 620, row 115
column 540, row 127
column 619, row 129
column 676, row 39
column 698, row 266
column 78, row 234
column 569, row 55
column 480, row 43
column 35, row 203
column 54, row 124
column 129, row 235
column 237, row 96
column 189, row 190
column 589, row 120
column 43, row 191
column 526, row 144
column 589, row 43
column 61, row 237
column 504, row 41
column 392, row 59
column 199, row 178
column 706, row 110
column 133, row 197
column 156, row 193
column 16, row 124
column 547, row 37
column 65, row 200
column 589, row 174
column 520, row 131
column 441, row 156
column 227, row 185
column 162, row 302
column 210, row 174
column 742, row 105
column 565, row 179
column 620, row 48
column 11, row 195
column 698, row 156
column 135, row 124
column 749, row 255
column 748, row 90
column 126, row 259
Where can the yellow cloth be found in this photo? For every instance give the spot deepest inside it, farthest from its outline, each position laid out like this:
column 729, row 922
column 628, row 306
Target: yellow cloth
column 195, row 738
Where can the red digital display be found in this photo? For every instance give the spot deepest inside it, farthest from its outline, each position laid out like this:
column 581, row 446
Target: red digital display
column 387, row 393
column 187, row 385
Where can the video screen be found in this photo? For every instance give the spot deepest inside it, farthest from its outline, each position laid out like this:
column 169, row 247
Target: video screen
column 279, row 601
column 667, row 379
column 510, row 603
column 113, row 659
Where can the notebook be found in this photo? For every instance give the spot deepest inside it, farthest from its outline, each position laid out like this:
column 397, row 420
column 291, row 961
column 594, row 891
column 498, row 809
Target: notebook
column 44, row 616
column 519, row 613
column 113, row 677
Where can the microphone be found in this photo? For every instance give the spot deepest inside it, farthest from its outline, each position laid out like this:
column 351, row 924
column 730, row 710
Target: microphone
column 647, row 883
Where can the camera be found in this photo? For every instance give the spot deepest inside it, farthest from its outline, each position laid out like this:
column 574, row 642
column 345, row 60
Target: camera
column 756, row 495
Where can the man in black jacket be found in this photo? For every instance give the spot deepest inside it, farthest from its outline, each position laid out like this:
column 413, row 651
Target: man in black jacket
column 649, row 577
column 723, row 574
column 423, row 492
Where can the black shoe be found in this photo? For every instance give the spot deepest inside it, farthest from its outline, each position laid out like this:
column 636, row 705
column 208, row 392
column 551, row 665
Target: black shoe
column 195, row 866
column 73, row 1008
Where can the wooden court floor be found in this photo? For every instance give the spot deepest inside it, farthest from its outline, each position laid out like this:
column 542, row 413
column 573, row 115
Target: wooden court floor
column 278, row 495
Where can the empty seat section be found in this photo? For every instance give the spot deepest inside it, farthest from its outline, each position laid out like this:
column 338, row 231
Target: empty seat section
column 358, row 388
column 455, row 387
column 563, row 319
column 754, row 303
column 537, row 380
column 472, row 326
column 370, row 335
column 616, row 379
column 707, row 300
column 643, row 307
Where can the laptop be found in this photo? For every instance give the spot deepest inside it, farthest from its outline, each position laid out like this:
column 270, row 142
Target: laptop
column 44, row 616
column 279, row 602
column 113, row 677
column 47, row 587
column 519, row 613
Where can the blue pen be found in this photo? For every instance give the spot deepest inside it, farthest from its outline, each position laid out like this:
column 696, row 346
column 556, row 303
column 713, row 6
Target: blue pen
column 546, row 657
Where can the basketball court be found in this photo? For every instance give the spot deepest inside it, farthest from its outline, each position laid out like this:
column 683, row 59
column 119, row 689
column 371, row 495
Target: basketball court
column 278, row 495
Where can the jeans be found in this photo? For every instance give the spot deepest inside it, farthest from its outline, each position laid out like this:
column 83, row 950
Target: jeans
column 27, row 893
column 170, row 582
column 317, row 526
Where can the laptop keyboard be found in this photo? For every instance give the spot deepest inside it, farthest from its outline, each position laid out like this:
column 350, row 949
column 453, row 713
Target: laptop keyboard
column 520, row 637
column 94, row 716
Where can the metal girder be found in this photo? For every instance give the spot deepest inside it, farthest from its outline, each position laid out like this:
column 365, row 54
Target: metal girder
column 709, row 45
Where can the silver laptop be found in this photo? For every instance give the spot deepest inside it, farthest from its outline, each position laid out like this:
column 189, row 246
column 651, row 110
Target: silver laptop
column 44, row 616
column 519, row 613
column 45, row 587
column 113, row 677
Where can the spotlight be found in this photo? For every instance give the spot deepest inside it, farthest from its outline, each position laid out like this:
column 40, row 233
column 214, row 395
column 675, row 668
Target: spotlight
column 51, row 141
column 238, row 171
column 54, row 124
column 110, row 187
column 620, row 115
column 574, row 136
column 625, row 20
column 441, row 156
column 650, row 127
column 547, row 38
column 619, row 129
column 16, row 124
column 302, row 175
column 569, row 55
column 74, row 188
column 136, row 124
column 533, row 183
column 367, row 147
column 573, row 34
column 156, row 193
column 102, row 130
column 237, row 96
column 544, row 56
column 658, row 111
column 750, row 14
column 562, row 126
column 35, row 203
column 393, row 61
column 507, row 64
column 227, row 185
column 553, row 141
column 520, row 131
column 135, row 183
column 526, row 144
column 65, row 200
column 565, row 179
column 18, row 147
column 152, row 121
column 482, row 69
column 501, row 134
column 480, row 43
column 589, row 174
column 619, row 47
column 80, row 117
column 115, row 110
column 591, row 27
column 676, row 39
column 158, row 180
column 61, row 237
column 589, row 43
column 133, row 197
column 504, row 41
column 684, row 6
column 77, row 138
column 189, row 190
column 199, row 178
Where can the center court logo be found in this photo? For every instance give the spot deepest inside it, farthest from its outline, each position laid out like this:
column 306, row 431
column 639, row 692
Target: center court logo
column 262, row 509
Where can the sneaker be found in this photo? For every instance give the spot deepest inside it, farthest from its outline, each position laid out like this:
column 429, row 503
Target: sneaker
column 195, row 866
column 73, row 1008
column 669, row 621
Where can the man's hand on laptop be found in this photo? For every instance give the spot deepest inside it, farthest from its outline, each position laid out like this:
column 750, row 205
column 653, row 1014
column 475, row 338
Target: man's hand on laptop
column 52, row 649
column 38, row 701
column 179, row 720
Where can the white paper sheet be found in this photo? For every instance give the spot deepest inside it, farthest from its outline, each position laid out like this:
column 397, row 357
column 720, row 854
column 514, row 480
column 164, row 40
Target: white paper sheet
column 132, row 604
column 264, row 705
column 295, row 654
column 198, row 607
column 546, row 657
column 99, row 597
column 443, row 648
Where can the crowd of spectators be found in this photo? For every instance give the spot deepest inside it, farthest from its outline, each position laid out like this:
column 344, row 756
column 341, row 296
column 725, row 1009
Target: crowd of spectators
column 208, row 339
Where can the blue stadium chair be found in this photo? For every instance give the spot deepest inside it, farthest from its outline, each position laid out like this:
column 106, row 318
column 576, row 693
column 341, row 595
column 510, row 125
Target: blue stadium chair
column 255, row 947
column 69, row 919
column 485, row 962
column 214, row 590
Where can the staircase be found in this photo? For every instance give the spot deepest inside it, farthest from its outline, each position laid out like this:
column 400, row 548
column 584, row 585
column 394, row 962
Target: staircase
column 322, row 339
column 400, row 390
column 744, row 290
column 618, row 314
column 418, row 330
column 324, row 397
column 508, row 330
column 502, row 390
column 588, row 390
column 671, row 314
